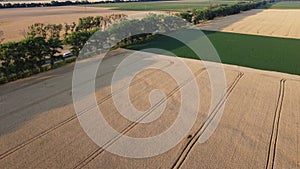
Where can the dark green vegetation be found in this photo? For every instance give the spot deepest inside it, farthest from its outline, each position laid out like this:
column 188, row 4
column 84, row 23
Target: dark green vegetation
column 199, row 15
column 37, row 4
column 164, row 6
column 286, row 5
column 42, row 44
column 50, row 3
column 40, row 50
column 260, row 52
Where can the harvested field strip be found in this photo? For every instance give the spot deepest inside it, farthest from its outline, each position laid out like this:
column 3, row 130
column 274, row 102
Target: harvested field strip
column 133, row 124
column 12, row 150
column 182, row 157
column 274, row 136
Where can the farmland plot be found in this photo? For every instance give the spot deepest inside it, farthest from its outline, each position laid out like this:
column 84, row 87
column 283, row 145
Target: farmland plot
column 270, row 22
column 14, row 22
column 242, row 138
column 50, row 136
column 103, row 158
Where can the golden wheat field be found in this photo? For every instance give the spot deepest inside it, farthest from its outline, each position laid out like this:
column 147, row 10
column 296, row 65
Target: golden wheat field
column 270, row 22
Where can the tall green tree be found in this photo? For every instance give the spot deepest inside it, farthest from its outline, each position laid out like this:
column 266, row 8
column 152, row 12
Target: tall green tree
column 7, row 55
column 54, row 44
column 35, row 51
column 77, row 40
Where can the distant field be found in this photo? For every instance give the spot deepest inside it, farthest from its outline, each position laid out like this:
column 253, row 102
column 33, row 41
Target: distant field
column 271, row 22
column 34, row 1
column 14, row 22
column 286, row 5
column 162, row 6
column 260, row 52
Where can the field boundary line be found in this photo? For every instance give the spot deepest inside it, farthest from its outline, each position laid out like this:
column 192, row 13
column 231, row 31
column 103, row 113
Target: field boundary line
column 100, row 150
column 189, row 146
column 47, row 131
column 275, row 128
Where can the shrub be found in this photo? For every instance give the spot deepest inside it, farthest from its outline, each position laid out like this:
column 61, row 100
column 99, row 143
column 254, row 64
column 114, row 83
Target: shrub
column 58, row 64
column 186, row 16
column 24, row 74
column 36, row 70
column 46, row 67
column 70, row 60
column 3, row 80
column 12, row 77
column 27, row 73
column 20, row 75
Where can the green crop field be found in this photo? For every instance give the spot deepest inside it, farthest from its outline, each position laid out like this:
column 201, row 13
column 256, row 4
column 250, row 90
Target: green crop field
column 286, row 5
column 162, row 6
column 260, row 52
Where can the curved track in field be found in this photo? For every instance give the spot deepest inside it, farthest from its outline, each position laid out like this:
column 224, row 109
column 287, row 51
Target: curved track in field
column 275, row 129
column 98, row 151
column 189, row 146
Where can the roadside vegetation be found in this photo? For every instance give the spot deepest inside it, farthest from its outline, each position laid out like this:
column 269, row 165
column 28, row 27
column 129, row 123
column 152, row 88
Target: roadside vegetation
column 41, row 49
column 197, row 16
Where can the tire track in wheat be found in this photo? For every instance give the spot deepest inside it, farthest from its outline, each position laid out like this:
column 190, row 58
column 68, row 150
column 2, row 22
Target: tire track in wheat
column 100, row 150
column 73, row 117
column 189, row 146
column 275, row 128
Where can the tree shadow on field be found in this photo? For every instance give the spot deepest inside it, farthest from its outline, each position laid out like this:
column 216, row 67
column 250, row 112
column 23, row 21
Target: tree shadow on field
column 50, row 94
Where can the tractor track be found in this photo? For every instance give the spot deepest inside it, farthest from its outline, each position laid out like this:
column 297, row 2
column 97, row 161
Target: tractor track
column 275, row 128
column 189, row 146
column 100, row 150
column 73, row 117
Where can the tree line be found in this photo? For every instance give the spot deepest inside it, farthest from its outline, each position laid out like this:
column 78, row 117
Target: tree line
column 61, row 3
column 40, row 49
column 199, row 15
column 43, row 42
